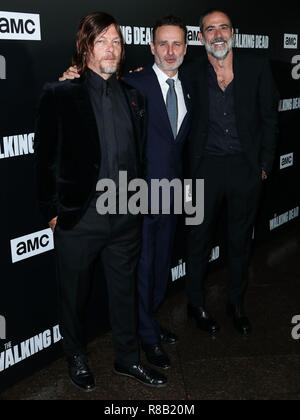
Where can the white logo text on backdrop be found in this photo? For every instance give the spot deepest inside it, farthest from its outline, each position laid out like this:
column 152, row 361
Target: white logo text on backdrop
column 18, row 145
column 284, row 218
column 31, row 245
column 14, row 354
column 20, row 26
column 286, row 161
column 290, row 41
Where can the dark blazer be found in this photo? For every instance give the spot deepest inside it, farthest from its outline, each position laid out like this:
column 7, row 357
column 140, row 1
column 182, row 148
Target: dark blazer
column 68, row 151
column 164, row 153
column 256, row 103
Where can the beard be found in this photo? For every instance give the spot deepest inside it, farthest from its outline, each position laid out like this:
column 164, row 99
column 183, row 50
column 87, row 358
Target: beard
column 163, row 66
column 109, row 69
column 219, row 54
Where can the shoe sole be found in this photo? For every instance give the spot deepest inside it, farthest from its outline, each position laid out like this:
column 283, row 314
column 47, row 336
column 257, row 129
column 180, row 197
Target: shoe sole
column 143, row 383
column 82, row 389
column 170, row 344
column 212, row 332
column 160, row 367
column 241, row 332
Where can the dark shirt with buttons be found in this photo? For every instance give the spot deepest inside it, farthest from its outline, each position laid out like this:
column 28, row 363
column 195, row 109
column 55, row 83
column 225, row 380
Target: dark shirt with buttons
column 115, row 128
column 223, row 138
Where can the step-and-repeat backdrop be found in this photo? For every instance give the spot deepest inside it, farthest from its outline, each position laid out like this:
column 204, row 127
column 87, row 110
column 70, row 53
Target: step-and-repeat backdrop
column 36, row 45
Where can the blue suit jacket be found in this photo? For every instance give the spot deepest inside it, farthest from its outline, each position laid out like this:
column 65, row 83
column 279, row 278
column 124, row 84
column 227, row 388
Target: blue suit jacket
column 164, row 154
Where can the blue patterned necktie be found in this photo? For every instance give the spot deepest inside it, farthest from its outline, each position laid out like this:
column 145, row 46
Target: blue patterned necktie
column 172, row 106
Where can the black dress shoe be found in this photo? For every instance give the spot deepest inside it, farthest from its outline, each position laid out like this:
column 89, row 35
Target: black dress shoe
column 240, row 320
column 80, row 373
column 156, row 355
column 168, row 337
column 142, row 374
column 204, row 321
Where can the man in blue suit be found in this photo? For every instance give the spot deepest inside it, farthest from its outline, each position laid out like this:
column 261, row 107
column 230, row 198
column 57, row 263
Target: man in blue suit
column 169, row 120
column 167, row 132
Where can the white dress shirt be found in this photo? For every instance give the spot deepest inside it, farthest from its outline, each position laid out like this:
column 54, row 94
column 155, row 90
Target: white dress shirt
column 162, row 78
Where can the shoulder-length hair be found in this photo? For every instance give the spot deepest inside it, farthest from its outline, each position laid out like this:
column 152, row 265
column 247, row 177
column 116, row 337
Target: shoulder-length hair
column 90, row 28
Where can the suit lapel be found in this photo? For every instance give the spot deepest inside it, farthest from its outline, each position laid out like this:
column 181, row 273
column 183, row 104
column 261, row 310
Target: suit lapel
column 187, row 93
column 85, row 109
column 238, row 83
column 160, row 105
column 137, row 117
column 203, row 94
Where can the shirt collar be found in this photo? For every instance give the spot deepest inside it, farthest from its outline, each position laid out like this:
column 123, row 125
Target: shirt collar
column 97, row 82
column 163, row 77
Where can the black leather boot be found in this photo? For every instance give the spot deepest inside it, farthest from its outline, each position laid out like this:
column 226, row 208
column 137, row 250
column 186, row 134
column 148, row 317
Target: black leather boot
column 142, row 374
column 204, row 321
column 240, row 320
column 80, row 373
column 156, row 355
column 168, row 337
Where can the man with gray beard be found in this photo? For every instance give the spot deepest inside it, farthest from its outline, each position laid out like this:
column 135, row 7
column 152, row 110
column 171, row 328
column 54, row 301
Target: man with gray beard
column 232, row 147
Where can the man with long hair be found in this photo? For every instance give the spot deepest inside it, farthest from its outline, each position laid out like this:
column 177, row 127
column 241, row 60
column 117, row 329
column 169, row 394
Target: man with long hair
column 88, row 130
column 169, row 119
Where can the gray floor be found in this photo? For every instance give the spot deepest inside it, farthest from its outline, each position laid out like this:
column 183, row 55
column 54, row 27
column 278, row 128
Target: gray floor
column 224, row 367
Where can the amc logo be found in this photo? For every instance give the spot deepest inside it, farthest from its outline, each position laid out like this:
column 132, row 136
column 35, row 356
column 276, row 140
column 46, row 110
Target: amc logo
column 31, row 245
column 290, row 41
column 287, row 161
column 20, row 26
column 193, row 35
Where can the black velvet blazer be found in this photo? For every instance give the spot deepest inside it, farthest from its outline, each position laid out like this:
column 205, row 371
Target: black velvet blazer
column 67, row 148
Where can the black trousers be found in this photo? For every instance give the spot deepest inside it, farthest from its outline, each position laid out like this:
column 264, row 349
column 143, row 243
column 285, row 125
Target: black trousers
column 231, row 179
column 116, row 240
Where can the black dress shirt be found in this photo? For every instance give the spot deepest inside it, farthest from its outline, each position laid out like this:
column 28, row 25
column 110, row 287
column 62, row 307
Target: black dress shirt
column 115, row 128
column 223, row 138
